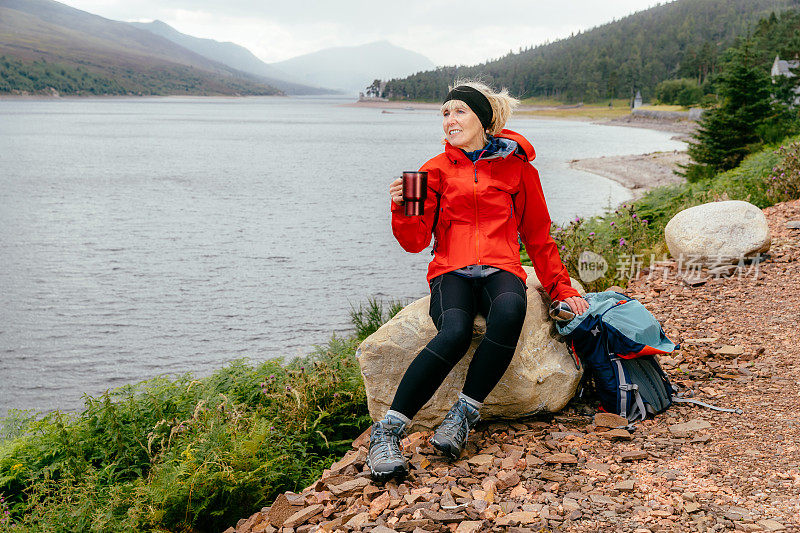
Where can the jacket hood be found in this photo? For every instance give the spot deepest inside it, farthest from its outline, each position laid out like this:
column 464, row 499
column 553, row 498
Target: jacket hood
column 524, row 147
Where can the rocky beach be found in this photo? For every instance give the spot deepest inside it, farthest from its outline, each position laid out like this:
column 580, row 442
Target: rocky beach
column 642, row 172
column 688, row 469
column 639, row 173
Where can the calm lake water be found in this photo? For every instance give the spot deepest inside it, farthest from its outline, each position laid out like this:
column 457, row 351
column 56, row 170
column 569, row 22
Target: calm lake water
column 168, row 235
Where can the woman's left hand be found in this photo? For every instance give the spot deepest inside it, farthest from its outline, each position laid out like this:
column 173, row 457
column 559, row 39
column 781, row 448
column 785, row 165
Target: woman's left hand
column 578, row 304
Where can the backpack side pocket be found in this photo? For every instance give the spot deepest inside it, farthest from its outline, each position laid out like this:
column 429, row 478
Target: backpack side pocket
column 630, row 403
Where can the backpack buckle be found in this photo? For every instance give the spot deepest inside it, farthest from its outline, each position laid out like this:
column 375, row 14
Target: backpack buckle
column 629, row 387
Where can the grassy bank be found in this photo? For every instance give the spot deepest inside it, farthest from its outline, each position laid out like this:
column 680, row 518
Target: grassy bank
column 187, row 454
column 602, row 110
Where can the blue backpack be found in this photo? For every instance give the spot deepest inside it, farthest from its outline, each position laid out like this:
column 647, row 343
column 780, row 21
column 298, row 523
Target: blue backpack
column 617, row 341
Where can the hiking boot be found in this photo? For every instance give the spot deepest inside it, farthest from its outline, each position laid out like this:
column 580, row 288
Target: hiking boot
column 385, row 459
column 451, row 435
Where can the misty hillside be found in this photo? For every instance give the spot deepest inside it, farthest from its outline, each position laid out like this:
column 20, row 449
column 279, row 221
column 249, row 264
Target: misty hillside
column 231, row 54
column 684, row 38
column 352, row 68
column 48, row 44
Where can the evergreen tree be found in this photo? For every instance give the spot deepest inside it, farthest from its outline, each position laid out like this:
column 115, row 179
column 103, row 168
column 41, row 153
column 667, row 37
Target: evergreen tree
column 727, row 133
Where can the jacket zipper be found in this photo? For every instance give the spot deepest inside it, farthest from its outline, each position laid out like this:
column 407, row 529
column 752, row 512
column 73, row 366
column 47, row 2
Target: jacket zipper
column 475, row 196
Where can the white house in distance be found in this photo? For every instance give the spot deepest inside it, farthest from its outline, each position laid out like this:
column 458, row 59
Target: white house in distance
column 784, row 67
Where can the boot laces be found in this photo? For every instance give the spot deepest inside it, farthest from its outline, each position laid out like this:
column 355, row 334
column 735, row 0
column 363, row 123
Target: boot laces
column 386, row 443
column 456, row 423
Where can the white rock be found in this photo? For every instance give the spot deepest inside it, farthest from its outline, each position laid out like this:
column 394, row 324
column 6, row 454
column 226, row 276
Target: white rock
column 718, row 232
column 542, row 375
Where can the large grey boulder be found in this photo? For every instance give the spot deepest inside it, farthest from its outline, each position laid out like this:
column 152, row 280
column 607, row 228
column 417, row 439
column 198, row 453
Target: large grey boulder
column 542, row 376
column 718, row 232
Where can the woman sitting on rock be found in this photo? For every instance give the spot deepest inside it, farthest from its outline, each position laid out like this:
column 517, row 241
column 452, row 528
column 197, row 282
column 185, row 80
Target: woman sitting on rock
column 487, row 194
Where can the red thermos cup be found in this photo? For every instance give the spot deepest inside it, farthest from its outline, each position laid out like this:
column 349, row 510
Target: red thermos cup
column 415, row 190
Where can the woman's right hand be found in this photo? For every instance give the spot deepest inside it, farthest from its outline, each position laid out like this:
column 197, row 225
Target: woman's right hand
column 396, row 191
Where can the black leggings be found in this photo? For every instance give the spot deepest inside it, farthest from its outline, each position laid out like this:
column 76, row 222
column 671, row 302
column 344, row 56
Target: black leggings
column 500, row 297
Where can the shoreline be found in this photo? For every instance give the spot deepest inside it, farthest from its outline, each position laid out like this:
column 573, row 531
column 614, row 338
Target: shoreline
column 638, row 173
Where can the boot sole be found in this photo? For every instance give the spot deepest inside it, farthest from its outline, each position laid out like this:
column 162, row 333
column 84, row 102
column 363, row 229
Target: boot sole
column 399, row 472
column 447, row 449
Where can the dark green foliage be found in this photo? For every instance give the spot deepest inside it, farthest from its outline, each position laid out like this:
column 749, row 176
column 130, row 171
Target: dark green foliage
column 184, row 454
column 683, row 91
column 776, row 35
column 40, row 76
column 748, row 116
column 681, row 39
column 368, row 320
column 17, row 76
column 754, row 110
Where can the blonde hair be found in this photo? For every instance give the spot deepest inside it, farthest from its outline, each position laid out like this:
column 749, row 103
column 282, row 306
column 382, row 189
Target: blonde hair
column 503, row 104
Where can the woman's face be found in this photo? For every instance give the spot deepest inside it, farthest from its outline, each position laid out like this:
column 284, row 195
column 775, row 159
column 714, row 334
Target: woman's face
column 462, row 127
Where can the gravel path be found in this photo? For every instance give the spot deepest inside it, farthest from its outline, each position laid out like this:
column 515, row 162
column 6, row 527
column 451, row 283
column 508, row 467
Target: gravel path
column 689, row 469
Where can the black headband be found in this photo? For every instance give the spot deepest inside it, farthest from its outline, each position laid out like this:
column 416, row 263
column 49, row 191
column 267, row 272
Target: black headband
column 476, row 101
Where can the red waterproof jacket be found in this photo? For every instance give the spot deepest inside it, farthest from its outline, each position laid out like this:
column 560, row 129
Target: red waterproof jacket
column 483, row 207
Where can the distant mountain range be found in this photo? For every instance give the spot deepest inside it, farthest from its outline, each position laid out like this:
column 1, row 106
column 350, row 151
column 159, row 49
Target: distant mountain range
column 353, row 68
column 232, row 55
column 347, row 68
column 46, row 46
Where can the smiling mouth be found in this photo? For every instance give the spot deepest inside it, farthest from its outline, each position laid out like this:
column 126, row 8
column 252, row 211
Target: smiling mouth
column 453, row 132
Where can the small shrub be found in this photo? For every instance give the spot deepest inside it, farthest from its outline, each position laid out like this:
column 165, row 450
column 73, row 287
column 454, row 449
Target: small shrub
column 683, row 91
column 619, row 237
column 368, row 319
column 695, row 172
column 783, row 183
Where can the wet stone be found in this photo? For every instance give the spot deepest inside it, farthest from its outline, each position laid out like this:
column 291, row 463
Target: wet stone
column 600, row 467
column 469, row 526
column 609, row 420
column 561, row 458
column 349, row 487
column 771, row 525
column 282, row 509
column 601, row 499
column 635, row 455
column 619, row 434
column 625, row 486
column 411, row 525
column 303, row 515
column 552, row 476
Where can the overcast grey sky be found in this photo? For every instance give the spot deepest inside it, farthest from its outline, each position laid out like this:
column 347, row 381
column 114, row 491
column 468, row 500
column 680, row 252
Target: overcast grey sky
column 447, row 32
